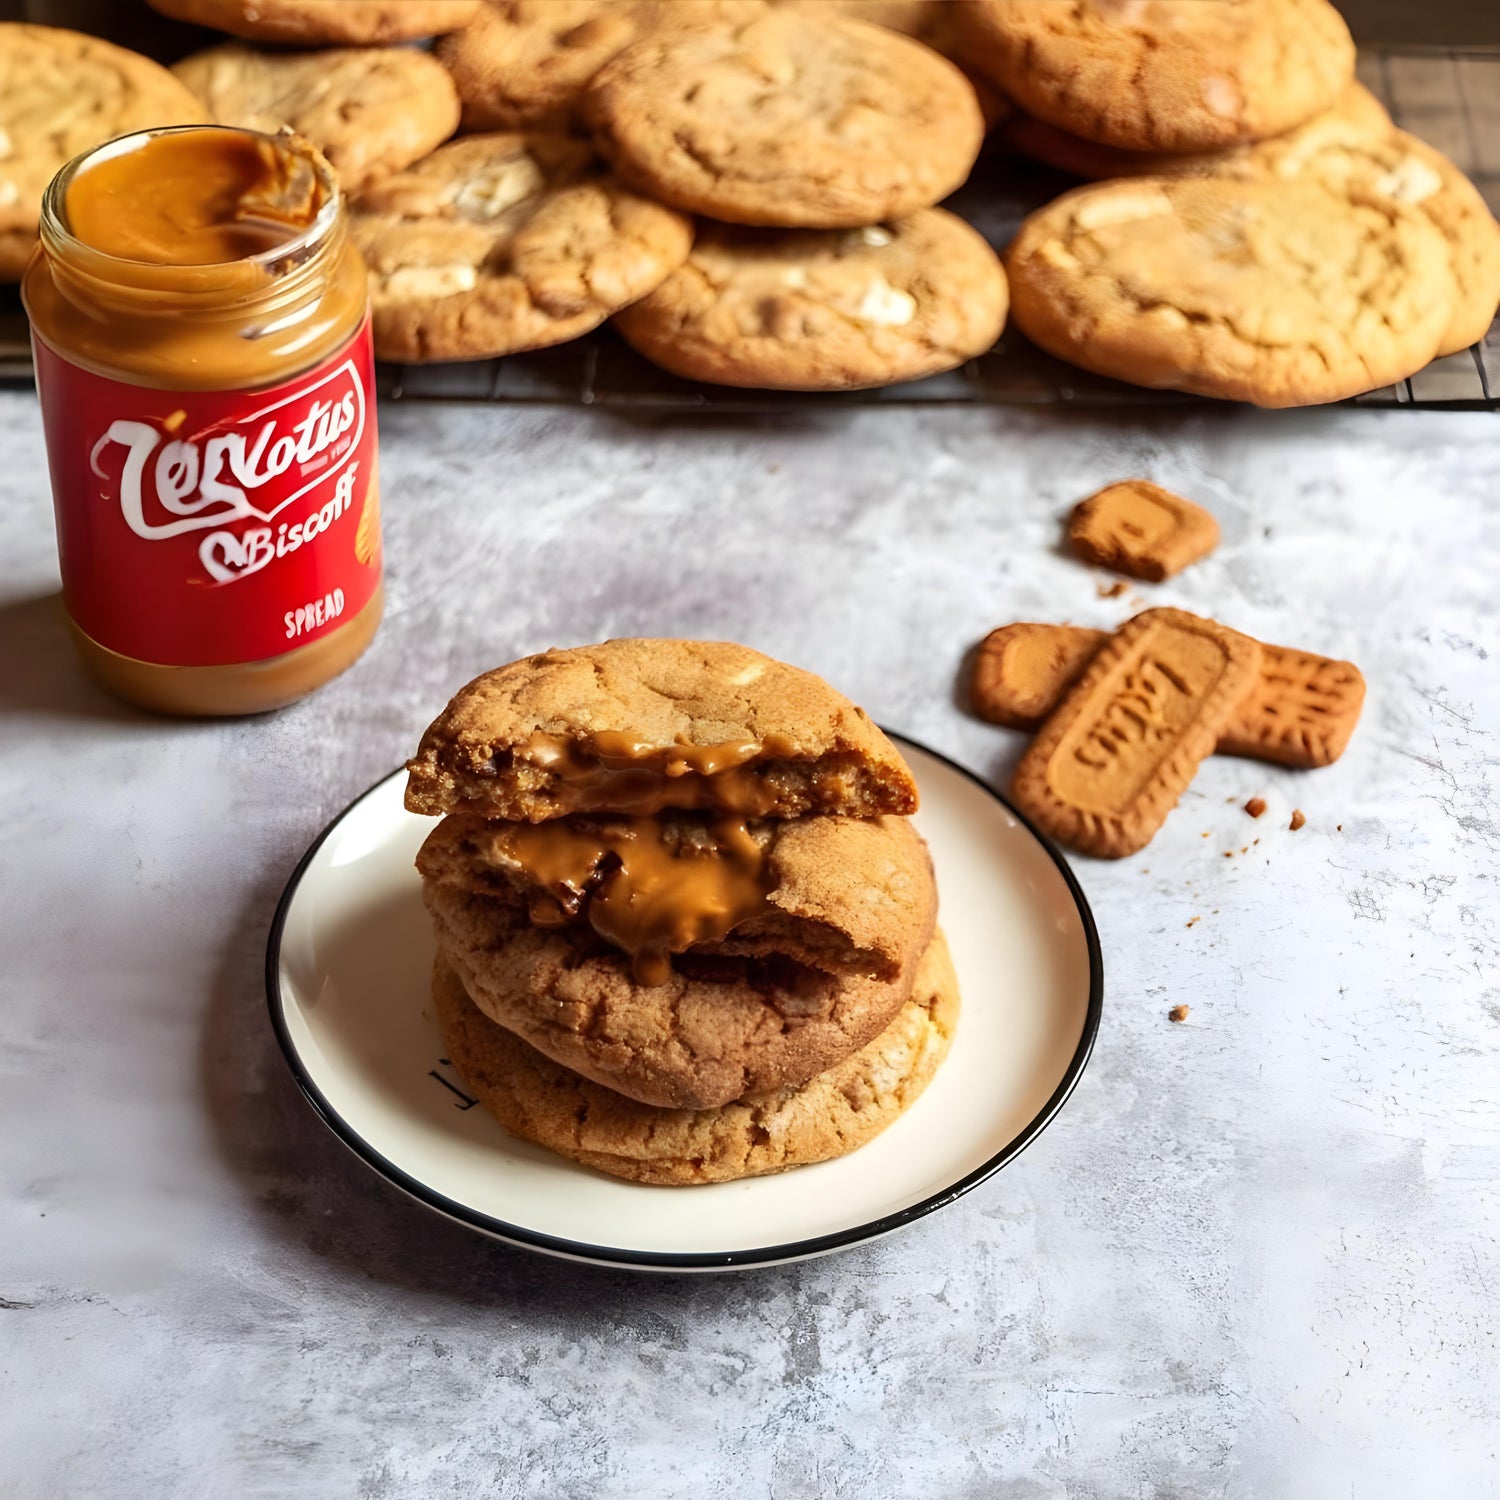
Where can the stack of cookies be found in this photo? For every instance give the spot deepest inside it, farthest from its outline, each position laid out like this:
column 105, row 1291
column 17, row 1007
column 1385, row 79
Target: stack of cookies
column 685, row 928
column 814, row 146
column 1271, row 236
column 808, row 146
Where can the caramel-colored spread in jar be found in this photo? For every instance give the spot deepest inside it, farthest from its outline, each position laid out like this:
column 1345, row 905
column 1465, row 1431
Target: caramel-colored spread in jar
column 200, row 323
column 616, row 772
column 649, row 888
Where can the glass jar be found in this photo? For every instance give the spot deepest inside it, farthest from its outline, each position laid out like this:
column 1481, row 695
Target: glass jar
column 201, row 334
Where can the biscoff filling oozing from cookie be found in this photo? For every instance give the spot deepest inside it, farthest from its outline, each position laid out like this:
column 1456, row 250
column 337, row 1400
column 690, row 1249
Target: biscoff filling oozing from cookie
column 649, row 889
column 612, row 771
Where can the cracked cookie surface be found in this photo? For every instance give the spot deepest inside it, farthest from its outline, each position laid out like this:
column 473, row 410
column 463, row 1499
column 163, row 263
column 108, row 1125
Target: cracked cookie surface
column 723, row 1024
column 370, row 111
column 830, row 1115
column 1352, row 144
column 324, row 23
column 61, row 93
column 1281, row 293
column 1163, row 75
column 829, row 309
column 789, row 119
column 524, row 64
column 1398, row 167
column 496, row 243
column 828, row 756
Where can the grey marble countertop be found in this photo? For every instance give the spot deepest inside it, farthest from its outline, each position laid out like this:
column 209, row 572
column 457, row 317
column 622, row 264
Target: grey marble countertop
column 1257, row 1254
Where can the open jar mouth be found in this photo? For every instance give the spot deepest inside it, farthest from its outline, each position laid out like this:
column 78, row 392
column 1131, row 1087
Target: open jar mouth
column 57, row 233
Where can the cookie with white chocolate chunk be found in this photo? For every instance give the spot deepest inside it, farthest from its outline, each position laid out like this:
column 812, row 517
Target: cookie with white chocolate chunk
column 1162, row 75
column 1282, row 293
column 825, row 309
column 497, row 243
column 788, row 119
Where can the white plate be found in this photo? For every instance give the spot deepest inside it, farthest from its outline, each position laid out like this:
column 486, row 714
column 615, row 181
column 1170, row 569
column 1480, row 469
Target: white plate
column 347, row 976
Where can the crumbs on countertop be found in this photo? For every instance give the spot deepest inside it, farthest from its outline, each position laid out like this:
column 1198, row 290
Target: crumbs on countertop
column 1255, row 806
column 1178, row 1013
column 1298, row 819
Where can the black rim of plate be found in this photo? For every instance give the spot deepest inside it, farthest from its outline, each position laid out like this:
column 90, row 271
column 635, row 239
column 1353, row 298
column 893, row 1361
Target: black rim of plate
column 607, row 1255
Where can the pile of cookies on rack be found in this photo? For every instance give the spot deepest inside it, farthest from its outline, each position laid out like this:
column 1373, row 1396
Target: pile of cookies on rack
column 749, row 188
column 685, row 928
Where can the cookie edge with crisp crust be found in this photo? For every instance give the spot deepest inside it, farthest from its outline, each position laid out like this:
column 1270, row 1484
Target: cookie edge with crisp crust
column 1055, row 311
column 465, row 1030
column 653, row 330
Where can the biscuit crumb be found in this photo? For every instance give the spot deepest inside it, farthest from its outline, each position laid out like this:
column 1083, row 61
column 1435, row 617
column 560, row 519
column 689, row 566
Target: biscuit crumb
column 1111, row 590
column 1229, row 854
column 1298, row 819
column 1255, row 806
column 1193, row 921
column 1178, row 1013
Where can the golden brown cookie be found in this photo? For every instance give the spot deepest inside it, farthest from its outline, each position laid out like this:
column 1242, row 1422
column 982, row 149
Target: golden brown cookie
column 1355, row 113
column 1115, row 755
column 325, row 23
column 1022, row 671
column 1138, row 528
column 1399, row 167
column 524, row 64
column 830, row 1115
column 496, row 243
column 1351, row 146
column 824, row 309
column 636, row 725
column 1280, row 293
column 369, row 110
column 742, row 1017
column 1163, row 75
column 787, row 120
column 60, row 93
column 846, row 895
column 1300, row 711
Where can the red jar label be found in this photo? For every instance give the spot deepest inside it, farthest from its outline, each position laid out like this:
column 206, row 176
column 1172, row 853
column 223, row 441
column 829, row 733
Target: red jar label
column 205, row 528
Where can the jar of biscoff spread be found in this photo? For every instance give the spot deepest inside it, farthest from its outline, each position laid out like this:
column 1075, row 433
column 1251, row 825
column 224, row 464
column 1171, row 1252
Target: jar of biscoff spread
column 202, row 341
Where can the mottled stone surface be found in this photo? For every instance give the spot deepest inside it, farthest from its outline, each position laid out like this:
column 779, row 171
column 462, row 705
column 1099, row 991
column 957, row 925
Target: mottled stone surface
column 1255, row 1257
